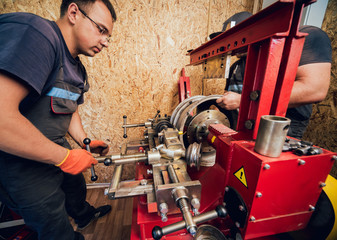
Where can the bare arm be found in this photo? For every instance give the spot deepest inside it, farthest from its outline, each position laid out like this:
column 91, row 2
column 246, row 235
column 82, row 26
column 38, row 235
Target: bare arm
column 18, row 135
column 76, row 130
column 311, row 84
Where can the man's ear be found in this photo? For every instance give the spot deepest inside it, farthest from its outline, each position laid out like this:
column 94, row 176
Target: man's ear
column 73, row 13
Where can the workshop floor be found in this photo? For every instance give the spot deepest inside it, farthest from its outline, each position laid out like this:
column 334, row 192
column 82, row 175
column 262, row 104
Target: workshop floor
column 116, row 225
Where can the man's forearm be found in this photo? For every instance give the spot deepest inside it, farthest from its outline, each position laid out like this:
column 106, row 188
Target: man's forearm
column 18, row 135
column 21, row 138
column 76, row 130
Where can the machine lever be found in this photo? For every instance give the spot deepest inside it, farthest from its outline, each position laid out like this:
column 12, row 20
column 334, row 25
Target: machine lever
column 158, row 232
column 87, row 142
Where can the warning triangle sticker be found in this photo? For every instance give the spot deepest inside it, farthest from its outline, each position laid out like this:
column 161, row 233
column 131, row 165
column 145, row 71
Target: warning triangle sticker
column 240, row 174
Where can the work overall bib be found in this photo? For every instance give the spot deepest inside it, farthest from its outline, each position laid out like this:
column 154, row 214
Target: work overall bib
column 41, row 193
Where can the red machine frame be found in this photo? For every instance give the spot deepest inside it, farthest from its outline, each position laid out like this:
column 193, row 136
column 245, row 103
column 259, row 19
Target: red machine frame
column 279, row 193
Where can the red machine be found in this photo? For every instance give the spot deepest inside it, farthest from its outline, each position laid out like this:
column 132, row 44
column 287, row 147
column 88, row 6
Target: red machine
column 243, row 194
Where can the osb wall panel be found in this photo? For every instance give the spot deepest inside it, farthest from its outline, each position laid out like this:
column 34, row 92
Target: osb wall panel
column 137, row 75
column 322, row 129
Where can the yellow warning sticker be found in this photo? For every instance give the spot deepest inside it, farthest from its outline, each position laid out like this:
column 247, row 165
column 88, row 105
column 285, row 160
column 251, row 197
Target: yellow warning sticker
column 213, row 139
column 240, row 174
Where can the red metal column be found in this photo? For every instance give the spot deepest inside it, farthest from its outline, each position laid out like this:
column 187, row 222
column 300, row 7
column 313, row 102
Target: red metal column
column 274, row 46
column 263, row 61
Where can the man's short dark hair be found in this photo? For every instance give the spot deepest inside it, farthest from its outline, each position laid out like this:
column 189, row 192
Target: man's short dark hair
column 85, row 5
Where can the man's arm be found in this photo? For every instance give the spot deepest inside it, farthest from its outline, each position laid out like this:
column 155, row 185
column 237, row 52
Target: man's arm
column 311, row 84
column 77, row 132
column 18, row 135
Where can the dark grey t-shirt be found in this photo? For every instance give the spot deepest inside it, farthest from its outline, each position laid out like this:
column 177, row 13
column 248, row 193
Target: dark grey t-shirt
column 32, row 50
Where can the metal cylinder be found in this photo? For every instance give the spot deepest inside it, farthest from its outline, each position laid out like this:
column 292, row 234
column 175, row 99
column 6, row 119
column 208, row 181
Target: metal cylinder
column 172, row 174
column 204, row 217
column 271, row 135
column 185, row 210
column 116, row 177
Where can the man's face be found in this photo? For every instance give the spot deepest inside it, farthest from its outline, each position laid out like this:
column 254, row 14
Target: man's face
column 88, row 31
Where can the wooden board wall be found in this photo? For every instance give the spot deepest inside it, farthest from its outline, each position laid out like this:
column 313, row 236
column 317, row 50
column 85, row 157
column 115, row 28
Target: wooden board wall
column 137, row 75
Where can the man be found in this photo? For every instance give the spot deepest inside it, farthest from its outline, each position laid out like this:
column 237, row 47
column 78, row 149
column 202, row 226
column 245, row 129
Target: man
column 311, row 84
column 42, row 83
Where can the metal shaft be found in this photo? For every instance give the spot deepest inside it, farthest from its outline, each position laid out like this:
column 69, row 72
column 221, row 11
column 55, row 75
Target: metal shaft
column 133, row 125
column 116, row 178
column 204, row 217
column 182, row 203
column 172, row 174
column 118, row 159
column 190, row 224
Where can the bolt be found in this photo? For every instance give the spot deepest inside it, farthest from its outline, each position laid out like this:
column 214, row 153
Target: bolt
column 249, row 124
column 311, row 208
column 226, row 189
column 301, row 162
column 252, row 219
column 163, row 208
column 237, row 224
column 241, row 208
column 195, row 211
column 254, row 95
column 258, row 194
column 163, row 217
column 106, row 191
column 334, row 158
column 149, row 171
column 192, row 231
column 195, row 203
column 322, row 184
column 143, row 182
column 267, row 166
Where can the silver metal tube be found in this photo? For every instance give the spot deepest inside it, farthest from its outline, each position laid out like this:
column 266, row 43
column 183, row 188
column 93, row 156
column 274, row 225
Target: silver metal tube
column 204, row 217
column 117, row 157
column 271, row 135
column 172, row 174
column 129, row 160
column 133, row 125
column 190, row 225
column 116, row 177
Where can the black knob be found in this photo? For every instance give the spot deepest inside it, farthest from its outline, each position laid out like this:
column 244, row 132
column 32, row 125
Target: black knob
column 94, row 177
column 157, row 233
column 87, row 141
column 221, row 211
column 107, row 161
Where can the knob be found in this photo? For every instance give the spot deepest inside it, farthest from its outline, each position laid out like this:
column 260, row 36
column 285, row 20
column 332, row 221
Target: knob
column 157, row 233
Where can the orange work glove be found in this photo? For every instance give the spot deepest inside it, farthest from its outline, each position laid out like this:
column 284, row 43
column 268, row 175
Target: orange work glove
column 98, row 146
column 77, row 161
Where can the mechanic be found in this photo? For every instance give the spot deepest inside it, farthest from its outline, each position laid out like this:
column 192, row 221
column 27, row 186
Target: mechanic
column 42, row 83
column 311, row 83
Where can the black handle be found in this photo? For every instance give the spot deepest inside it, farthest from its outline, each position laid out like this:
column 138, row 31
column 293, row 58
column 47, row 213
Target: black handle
column 87, row 142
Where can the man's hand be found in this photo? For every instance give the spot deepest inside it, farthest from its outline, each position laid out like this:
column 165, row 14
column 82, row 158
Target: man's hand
column 98, row 146
column 229, row 101
column 77, row 161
